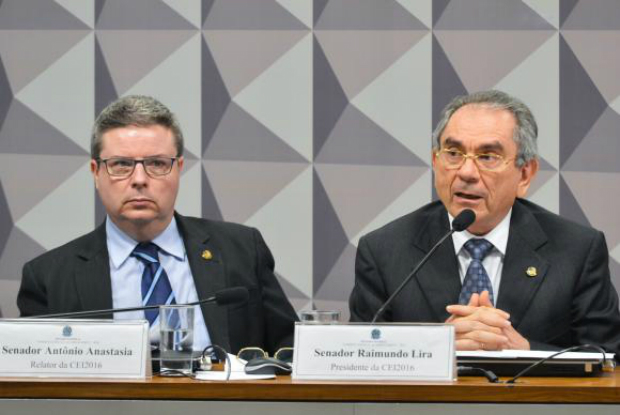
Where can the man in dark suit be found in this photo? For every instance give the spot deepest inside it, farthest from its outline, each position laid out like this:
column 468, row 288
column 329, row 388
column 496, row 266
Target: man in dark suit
column 146, row 253
column 519, row 277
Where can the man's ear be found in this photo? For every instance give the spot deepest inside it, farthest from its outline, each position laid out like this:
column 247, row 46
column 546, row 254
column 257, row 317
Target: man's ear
column 528, row 172
column 94, row 169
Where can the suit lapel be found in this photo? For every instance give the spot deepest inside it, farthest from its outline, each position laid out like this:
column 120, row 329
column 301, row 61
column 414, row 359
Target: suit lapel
column 92, row 273
column 439, row 278
column 517, row 288
column 209, row 277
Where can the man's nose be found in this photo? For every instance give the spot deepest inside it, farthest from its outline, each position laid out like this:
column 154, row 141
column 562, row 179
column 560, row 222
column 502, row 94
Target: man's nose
column 469, row 170
column 139, row 176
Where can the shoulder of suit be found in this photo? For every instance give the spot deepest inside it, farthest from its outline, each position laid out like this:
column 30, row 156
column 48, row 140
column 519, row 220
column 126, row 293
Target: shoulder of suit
column 215, row 226
column 555, row 224
column 72, row 248
column 403, row 225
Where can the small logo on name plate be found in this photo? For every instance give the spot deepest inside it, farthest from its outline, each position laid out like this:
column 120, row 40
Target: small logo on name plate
column 67, row 331
column 375, row 334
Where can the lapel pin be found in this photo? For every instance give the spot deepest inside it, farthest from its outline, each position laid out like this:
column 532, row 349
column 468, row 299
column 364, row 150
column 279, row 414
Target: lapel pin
column 531, row 272
column 207, row 255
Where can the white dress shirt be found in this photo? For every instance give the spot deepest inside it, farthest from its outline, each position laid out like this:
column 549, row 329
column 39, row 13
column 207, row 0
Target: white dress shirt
column 126, row 275
column 494, row 261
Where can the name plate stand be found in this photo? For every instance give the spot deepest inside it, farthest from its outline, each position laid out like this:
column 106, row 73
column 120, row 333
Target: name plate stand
column 75, row 348
column 359, row 351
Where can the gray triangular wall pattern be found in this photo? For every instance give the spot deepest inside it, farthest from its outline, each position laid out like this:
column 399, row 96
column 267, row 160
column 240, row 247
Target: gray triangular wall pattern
column 490, row 15
column 140, row 15
column 329, row 99
column 24, row 132
column 215, row 97
column 581, row 104
column 37, row 15
column 256, row 15
column 329, row 239
column 240, row 136
column 373, row 144
column 594, row 15
column 569, row 206
column 6, row 221
column 366, row 15
column 446, row 82
column 6, row 95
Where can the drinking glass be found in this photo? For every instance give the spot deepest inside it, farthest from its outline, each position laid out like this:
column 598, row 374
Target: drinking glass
column 176, row 331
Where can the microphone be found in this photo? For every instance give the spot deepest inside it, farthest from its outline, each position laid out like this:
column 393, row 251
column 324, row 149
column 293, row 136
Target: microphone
column 224, row 297
column 462, row 221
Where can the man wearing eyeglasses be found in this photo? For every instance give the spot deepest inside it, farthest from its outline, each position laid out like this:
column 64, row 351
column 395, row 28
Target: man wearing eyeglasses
column 147, row 254
column 520, row 277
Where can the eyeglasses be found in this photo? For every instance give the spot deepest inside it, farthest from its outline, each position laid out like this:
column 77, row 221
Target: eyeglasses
column 284, row 354
column 454, row 159
column 123, row 167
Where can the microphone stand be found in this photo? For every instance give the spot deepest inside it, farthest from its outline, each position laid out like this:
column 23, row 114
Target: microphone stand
column 410, row 276
column 89, row 313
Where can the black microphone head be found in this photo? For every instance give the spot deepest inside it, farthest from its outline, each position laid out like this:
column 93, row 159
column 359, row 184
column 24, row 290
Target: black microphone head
column 463, row 220
column 232, row 296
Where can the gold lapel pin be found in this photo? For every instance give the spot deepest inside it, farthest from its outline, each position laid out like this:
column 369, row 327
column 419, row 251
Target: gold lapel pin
column 207, row 255
column 531, row 272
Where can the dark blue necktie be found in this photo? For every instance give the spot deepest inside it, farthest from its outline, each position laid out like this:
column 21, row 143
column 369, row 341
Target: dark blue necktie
column 156, row 288
column 476, row 279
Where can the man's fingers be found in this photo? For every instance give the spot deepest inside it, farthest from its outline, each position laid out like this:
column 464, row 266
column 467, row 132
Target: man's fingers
column 487, row 340
column 490, row 318
column 485, row 299
column 466, row 326
column 466, row 310
column 461, row 310
column 474, row 300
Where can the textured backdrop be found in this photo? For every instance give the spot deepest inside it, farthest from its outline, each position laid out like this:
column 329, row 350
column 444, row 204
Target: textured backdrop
column 310, row 120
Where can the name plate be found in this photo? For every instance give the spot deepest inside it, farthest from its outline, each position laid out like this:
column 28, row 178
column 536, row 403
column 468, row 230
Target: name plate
column 407, row 352
column 75, row 348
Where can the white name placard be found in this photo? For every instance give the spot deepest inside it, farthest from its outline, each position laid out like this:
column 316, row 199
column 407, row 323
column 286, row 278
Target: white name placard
column 405, row 352
column 74, row 348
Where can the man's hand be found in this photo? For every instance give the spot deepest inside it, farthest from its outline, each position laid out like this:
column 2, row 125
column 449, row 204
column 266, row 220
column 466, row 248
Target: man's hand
column 481, row 326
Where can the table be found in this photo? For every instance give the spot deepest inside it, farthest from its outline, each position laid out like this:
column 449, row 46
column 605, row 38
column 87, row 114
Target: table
column 285, row 396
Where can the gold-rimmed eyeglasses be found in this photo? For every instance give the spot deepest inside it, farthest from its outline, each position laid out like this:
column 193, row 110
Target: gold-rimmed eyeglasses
column 453, row 159
column 123, row 167
column 284, row 354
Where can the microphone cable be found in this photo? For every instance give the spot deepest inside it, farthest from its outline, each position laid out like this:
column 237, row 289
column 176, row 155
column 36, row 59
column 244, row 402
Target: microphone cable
column 606, row 363
column 473, row 371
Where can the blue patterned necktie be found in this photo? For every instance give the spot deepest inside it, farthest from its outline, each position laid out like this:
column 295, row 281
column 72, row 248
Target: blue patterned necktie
column 156, row 288
column 476, row 279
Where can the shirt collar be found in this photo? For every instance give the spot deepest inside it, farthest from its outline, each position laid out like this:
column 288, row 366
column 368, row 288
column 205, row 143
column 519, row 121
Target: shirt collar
column 121, row 245
column 498, row 235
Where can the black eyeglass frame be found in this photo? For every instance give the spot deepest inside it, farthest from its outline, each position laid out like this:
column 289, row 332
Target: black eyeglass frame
column 135, row 162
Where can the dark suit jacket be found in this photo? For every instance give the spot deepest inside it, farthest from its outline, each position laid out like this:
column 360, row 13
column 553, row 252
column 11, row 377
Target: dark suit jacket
column 571, row 301
column 76, row 277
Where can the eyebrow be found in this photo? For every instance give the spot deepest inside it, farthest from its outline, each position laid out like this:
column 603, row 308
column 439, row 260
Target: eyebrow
column 494, row 146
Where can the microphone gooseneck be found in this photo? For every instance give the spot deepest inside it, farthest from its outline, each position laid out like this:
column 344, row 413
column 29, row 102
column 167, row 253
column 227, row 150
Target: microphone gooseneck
column 462, row 221
column 227, row 296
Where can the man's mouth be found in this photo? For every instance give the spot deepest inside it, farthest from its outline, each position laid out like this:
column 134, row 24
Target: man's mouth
column 468, row 196
column 139, row 200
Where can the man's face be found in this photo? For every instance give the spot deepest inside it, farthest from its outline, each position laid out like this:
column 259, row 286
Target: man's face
column 475, row 129
column 138, row 201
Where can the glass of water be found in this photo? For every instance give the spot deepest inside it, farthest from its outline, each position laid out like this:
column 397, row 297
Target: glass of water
column 319, row 316
column 176, row 339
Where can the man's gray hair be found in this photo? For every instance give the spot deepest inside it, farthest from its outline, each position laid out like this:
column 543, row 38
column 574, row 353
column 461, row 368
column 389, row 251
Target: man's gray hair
column 526, row 130
column 136, row 110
